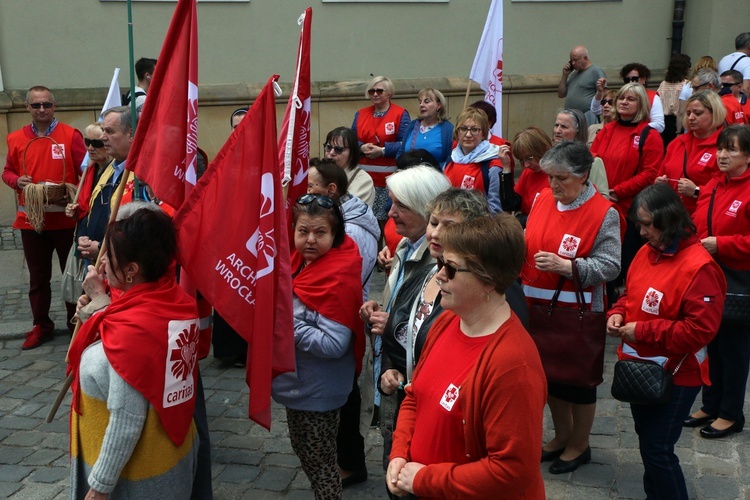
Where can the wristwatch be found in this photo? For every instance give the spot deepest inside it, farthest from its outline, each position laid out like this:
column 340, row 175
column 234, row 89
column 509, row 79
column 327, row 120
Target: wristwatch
column 696, row 192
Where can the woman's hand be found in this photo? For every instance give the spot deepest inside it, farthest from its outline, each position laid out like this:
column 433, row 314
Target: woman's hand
column 89, row 248
column 504, row 154
column 406, row 476
column 686, row 187
column 613, row 325
column 367, row 309
column 710, row 245
column 391, row 380
column 93, row 283
column 378, row 320
column 95, row 495
column 23, row 181
column 601, row 87
column 372, row 151
column 661, row 179
column 550, row 262
column 71, row 209
column 391, row 476
column 627, row 332
column 385, row 259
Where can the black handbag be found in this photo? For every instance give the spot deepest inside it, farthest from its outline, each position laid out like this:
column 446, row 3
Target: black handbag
column 737, row 300
column 570, row 340
column 642, row 382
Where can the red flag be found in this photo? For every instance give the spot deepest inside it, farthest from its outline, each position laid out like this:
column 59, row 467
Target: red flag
column 294, row 140
column 165, row 145
column 236, row 249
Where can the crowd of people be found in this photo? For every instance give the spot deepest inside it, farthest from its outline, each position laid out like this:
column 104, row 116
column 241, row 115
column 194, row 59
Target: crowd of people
column 633, row 209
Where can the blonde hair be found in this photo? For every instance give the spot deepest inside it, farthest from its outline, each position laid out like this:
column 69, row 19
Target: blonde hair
column 442, row 113
column 93, row 129
column 387, row 85
column 476, row 114
column 639, row 91
column 703, row 62
column 712, row 102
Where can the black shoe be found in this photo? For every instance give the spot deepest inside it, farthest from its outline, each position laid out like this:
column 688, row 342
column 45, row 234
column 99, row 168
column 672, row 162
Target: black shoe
column 548, row 456
column 697, row 422
column 562, row 466
column 709, row 432
column 357, row 477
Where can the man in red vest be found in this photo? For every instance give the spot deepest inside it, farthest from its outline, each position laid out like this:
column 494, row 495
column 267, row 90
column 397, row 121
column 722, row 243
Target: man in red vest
column 54, row 158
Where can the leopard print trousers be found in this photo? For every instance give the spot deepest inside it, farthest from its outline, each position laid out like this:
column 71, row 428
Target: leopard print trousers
column 313, row 437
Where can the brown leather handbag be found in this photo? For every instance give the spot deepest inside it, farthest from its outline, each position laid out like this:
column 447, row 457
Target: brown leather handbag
column 570, row 340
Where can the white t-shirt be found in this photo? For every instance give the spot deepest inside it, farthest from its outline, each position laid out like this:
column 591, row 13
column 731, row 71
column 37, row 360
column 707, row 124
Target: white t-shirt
column 686, row 92
column 743, row 66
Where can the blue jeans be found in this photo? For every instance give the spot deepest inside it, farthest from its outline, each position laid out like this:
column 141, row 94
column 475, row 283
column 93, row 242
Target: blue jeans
column 658, row 428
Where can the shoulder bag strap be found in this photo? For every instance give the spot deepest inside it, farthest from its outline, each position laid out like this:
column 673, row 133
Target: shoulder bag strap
column 684, row 164
column 736, row 61
column 641, row 143
column 711, row 210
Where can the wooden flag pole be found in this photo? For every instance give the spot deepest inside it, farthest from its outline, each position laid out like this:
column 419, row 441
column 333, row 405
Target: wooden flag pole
column 466, row 97
column 117, row 197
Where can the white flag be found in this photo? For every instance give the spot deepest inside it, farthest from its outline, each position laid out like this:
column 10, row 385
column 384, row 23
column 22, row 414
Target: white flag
column 487, row 69
column 113, row 96
column 113, row 99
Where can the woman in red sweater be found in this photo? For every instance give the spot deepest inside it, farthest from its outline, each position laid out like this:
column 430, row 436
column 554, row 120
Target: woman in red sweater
column 470, row 425
column 630, row 165
column 723, row 222
column 690, row 161
column 670, row 311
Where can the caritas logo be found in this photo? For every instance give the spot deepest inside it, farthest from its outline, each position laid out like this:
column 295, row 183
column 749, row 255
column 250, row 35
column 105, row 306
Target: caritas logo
column 569, row 246
column 705, row 159
column 651, row 301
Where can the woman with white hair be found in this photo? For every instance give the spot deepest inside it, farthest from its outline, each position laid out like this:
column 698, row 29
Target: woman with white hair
column 411, row 191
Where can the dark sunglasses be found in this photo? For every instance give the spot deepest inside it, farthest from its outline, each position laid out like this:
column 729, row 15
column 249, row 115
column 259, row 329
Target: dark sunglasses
column 629, row 79
column 322, row 201
column 45, row 105
column 95, row 143
column 338, row 149
column 727, row 85
column 450, row 271
column 375, row 91
column 606, row 101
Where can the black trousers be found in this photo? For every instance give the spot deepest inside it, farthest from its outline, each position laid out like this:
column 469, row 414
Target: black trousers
column 350, row 444
column 728, row 364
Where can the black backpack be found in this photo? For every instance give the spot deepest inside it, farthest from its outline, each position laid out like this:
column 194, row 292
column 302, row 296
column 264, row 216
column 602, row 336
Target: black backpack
column 125, row 98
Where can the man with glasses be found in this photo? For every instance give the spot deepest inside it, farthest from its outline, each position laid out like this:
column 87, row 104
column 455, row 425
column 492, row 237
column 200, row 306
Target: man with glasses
column 45, row 151
column 735, row 101
column 578, row 81
column 739, row 60
column 116, row 139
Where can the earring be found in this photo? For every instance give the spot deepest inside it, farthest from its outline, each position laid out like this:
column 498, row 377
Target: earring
column 129, row 279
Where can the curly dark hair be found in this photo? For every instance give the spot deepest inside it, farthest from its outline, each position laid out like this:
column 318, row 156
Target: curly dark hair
column 642, row 70
column 678, row 68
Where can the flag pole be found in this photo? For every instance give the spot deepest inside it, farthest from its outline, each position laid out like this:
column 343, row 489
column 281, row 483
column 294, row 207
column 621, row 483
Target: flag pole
column 117, row 197
column 466, row 97
column 131, row 56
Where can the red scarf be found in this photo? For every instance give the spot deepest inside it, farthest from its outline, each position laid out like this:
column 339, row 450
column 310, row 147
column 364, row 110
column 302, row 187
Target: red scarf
column 150, row 337
column 332, row 286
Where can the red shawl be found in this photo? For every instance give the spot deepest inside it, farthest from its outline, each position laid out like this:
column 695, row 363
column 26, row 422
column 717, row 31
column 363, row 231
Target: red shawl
column 332, row 286
column 150, row 337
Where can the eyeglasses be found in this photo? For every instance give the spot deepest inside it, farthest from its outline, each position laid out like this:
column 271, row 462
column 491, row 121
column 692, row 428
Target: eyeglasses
column 337, row 149
column 372, row 92
column 727, row 85
column 45, row 105
column 465, row 130
column 95, row 143
column 606, row 101
column 630, row 79
column 698, row 87
column 450, row 271
column 322, row 201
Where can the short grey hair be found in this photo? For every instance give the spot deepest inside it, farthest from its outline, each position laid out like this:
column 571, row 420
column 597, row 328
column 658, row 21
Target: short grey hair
column 129, row 209
column 706, row 76
column 579, row 122
column 571, row 157
column 415, row 187
column 40, row 88
column 742, row 40
column 126, row 117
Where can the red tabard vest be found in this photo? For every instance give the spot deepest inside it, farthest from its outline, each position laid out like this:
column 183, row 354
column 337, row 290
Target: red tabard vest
column 378, row 131
column 735, row 110
column 656, row 290
column 700, row 165
column 44, row 163
column 466, row 176
column 569, row 234
column 529, row 185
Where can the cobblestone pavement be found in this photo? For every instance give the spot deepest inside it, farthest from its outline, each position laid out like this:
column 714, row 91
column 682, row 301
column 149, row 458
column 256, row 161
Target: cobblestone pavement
column 249, row 462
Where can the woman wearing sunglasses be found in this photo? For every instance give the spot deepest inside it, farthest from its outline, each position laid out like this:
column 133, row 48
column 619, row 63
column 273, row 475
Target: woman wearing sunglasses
column 341, row 146
column 475, row 163
column 607, row 102
column 690, row 162
column 570, row 223
column 380, row 130
column 470, row 424
column 93, row 205
column 328, row 335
